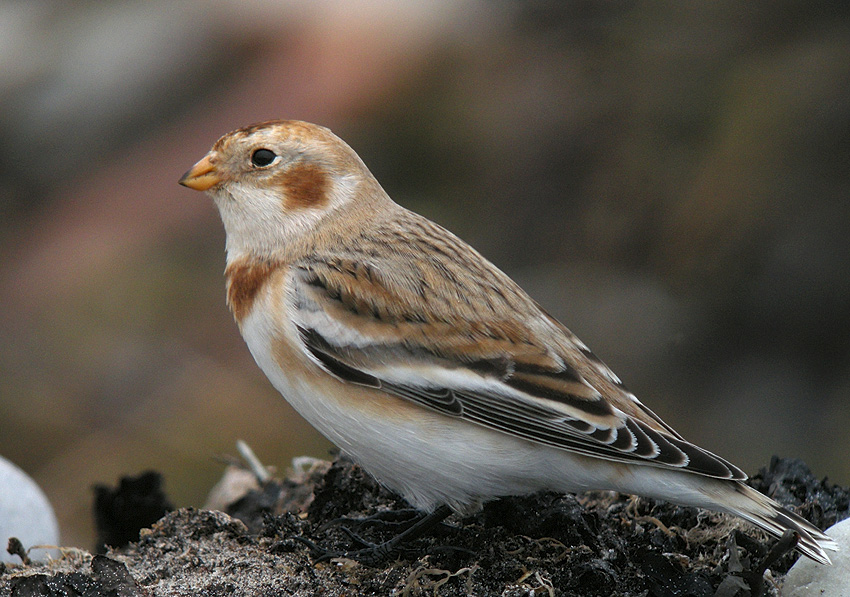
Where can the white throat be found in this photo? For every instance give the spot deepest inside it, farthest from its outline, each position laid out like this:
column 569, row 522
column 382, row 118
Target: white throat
column 256, row 224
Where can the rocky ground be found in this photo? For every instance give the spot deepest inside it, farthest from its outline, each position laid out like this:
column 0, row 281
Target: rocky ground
column 544, row 544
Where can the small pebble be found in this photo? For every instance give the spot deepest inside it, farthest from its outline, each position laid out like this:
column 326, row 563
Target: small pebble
column 809, row 579
column 25, row 513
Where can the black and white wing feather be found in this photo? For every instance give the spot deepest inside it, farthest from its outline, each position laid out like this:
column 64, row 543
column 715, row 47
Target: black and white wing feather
column 398, row 331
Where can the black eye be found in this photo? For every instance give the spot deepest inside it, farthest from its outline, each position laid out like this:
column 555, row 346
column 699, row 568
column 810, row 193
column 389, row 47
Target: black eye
column 262, row 157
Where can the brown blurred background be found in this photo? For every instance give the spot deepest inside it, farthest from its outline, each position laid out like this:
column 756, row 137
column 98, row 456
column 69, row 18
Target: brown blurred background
column 671, row 180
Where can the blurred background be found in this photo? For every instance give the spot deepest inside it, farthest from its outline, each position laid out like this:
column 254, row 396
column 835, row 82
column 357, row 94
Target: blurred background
column 669, row 179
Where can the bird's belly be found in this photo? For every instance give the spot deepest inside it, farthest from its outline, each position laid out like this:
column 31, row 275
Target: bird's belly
column 427, row 457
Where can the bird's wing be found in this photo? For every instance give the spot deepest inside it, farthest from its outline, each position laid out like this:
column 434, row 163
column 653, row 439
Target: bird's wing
column 477, row 347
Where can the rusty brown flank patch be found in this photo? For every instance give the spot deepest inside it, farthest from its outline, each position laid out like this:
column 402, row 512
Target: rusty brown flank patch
column 304, row 186
column 244, row 280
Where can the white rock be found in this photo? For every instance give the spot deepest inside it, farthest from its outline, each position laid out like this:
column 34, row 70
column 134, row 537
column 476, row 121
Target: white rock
column 25, row 513
column 809, row 579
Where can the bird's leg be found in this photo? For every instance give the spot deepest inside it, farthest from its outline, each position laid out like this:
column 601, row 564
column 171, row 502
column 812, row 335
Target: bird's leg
column 375, row 553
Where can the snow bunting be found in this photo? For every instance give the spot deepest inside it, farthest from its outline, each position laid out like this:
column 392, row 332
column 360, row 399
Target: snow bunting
column 422, row 360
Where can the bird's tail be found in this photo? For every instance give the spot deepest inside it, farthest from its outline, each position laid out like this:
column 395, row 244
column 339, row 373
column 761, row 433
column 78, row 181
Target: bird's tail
column 773, row 518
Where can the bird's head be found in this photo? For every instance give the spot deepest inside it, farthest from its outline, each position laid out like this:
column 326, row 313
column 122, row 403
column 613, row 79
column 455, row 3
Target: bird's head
column 275, row 181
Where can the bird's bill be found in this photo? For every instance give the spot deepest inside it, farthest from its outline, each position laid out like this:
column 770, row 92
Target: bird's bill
column 201, row 176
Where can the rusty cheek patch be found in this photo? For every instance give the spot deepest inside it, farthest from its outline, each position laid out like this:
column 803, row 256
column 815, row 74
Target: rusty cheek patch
column 304, row 186
column 244, row 280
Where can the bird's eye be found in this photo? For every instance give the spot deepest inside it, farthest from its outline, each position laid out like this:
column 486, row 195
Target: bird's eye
column 262, row 157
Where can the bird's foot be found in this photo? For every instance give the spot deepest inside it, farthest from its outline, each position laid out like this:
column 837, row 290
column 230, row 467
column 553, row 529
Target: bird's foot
column 373, row 554
column 387, row 519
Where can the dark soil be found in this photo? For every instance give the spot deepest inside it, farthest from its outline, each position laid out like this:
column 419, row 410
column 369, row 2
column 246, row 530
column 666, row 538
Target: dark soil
column 545, row 544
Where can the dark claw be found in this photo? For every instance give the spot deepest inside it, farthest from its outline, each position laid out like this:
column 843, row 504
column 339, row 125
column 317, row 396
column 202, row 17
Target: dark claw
column 387, row 519
column 372, row 554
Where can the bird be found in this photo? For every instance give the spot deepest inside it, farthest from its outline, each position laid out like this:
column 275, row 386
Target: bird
column 424, row 362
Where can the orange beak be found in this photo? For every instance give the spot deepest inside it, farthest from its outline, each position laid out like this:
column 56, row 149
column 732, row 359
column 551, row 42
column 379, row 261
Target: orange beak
column 201, row 176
